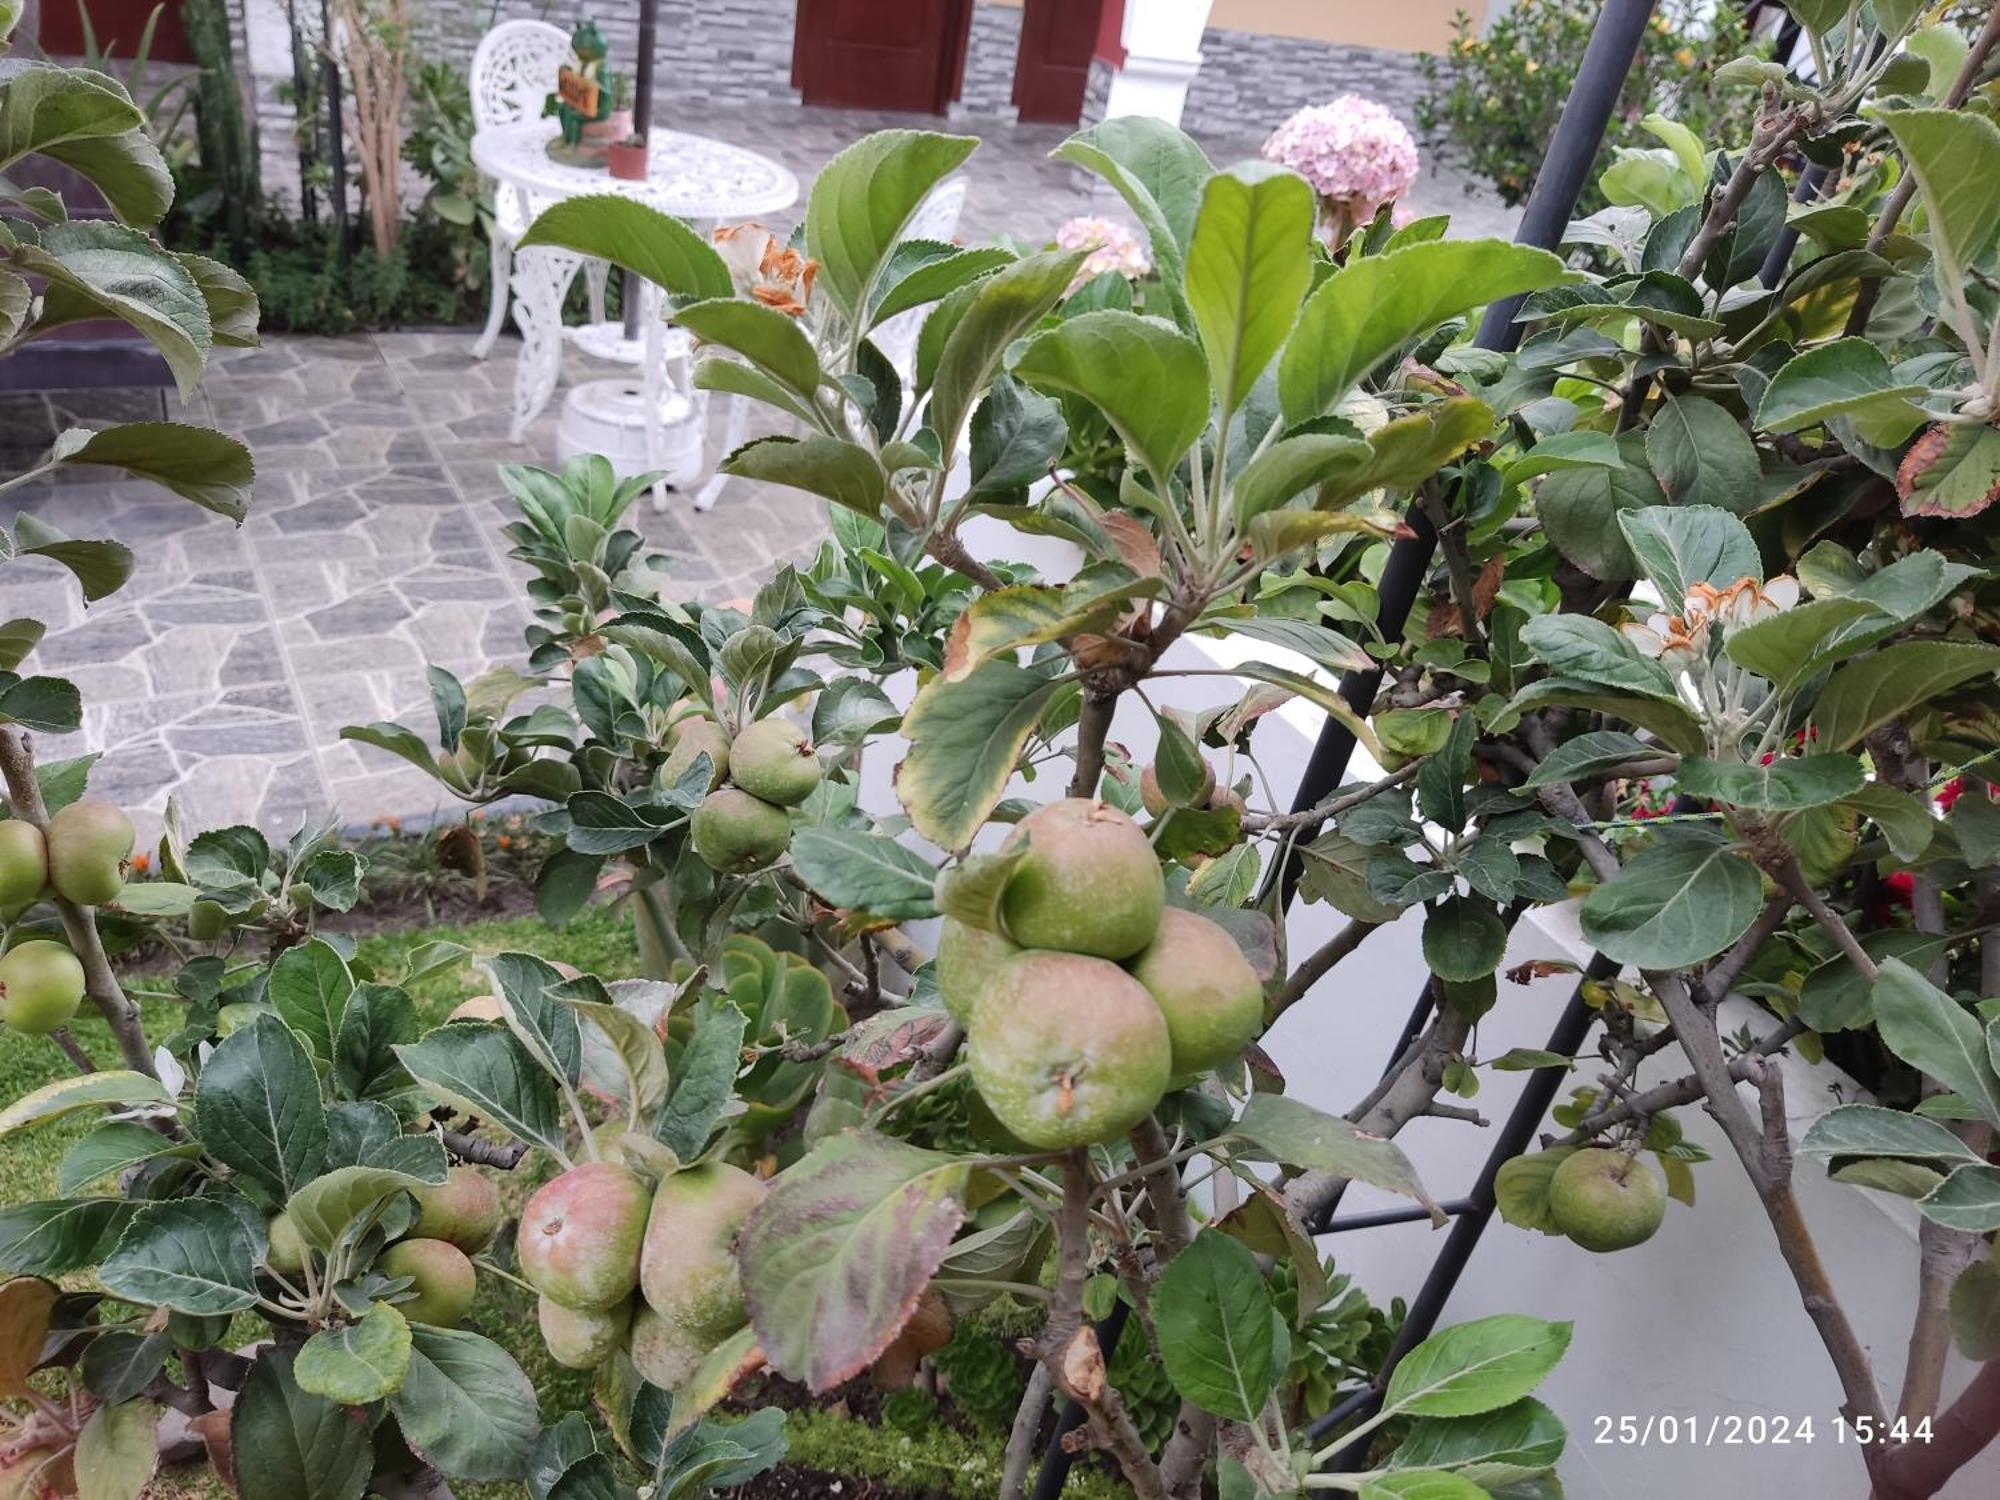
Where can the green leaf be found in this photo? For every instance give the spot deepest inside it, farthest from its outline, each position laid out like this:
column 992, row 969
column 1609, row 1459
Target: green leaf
column 1787, row 648
column 1671, row 723
column 326, row 1208
column 53, row 1235
column 114, row 1147
column 1150, row 382
column 378, row 1019
column 358, row 1362
column 1955, row 157
column 232, row 301
column 1686, row 898
column 1219, row 1332
column 767, row 338
column 1476, row 1367
column 1159, row 172
column 1521, row 1189
column 1291, row 466
column 288, row 1444
column 1420, row 1484
column 1318, row 644
column 309, row 988
column 1677, row 547
column 1566, row 450
column 1590, row 756
column 1248, row 268
column 257, row 1107
column 1017, row 435
column 117, row 1088
column 1867, row 693
column 196, row 463
column 1579, row 510
column 1787, row 784
column 49, row 704
column 1372, row 306
column 920, row 272
column 1464, row 939
column 861, row 200
column 1934, row 1034
column 837, row 1256
column 1701, row 456
column 1975, row 1311
column 999, row 310
column 194, row 1255
column 96, row 269
column 1848, row 377
column 1837, row 996
column 466, row 1407
column 605, row 226
column 1494, row 1448
column 703, row 1079
column 117, row 1451
column 1582, row 647
column 1870, row 1130
column 1408, row 450
column 1968, row 1200
column 844, row 473
column 485, row 1071
column 1278, row 1128
column 965, row 738
column 865, row 872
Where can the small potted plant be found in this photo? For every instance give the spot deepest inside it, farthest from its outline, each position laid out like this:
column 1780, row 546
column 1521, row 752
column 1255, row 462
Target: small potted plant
column 627, row 158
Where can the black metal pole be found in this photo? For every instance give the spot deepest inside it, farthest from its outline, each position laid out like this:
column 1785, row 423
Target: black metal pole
column 1614, row 43
column 1571, row 1027
column 642, row 125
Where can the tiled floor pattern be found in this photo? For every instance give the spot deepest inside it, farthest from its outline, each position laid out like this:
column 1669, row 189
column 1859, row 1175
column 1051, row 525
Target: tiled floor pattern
column 223, row 672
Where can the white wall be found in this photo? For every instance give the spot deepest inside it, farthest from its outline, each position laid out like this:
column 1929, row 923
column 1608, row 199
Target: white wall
column 1701, row 1321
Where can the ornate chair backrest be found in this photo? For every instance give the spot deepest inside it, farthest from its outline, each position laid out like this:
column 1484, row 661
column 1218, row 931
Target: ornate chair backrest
column 936, row 218
column 514, row 71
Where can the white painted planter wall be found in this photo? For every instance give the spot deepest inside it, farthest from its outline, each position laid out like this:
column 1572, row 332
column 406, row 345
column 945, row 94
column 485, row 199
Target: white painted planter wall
column 1700, row 1322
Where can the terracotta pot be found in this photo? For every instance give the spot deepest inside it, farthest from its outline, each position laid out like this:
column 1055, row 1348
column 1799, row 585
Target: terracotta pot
column 627, row 161
column 613, row 127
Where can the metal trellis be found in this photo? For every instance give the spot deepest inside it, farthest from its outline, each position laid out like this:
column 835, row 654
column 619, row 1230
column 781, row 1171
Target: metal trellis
column 1614, row 44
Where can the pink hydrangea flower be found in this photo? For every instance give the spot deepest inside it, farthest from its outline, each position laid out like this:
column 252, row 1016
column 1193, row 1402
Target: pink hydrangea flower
column 1112, row 247
column 1354, row 152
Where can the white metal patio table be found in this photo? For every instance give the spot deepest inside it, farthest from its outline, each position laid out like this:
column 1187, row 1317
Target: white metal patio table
column 692, row 177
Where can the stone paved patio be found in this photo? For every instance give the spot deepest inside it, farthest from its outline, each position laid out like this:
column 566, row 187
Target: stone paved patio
column 223, row 672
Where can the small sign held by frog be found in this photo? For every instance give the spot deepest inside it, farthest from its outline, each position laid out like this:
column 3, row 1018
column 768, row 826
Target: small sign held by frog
column 589, row 101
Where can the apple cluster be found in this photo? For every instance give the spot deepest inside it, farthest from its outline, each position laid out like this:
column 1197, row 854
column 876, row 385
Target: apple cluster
column 1091, row 995
column 621, row 1264
column 456, row 1219
column 742, row 825
column 83, row 858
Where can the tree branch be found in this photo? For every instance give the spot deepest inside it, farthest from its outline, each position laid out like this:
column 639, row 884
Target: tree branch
column 1093, row 727
column 24, row 795
column 1916, row 1471
column 1021, row 1439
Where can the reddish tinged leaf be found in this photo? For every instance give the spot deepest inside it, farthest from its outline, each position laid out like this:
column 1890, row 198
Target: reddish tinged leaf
column 25, row 1305
column 1952, row 470
column 837, row 1256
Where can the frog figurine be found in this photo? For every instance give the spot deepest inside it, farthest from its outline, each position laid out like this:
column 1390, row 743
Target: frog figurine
column 584, row 102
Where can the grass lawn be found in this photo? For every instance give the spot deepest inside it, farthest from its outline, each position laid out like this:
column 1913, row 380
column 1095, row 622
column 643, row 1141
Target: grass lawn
column 945, row 1463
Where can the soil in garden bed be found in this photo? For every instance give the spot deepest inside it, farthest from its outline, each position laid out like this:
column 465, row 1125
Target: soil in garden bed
column 790, row 1482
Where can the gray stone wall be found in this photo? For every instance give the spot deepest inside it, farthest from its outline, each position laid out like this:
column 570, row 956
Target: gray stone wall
column 710, row 51
column 1250, row 83
column 988, row 87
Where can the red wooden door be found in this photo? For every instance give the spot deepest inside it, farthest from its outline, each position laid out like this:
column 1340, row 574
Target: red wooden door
column 118, row 25
column 1053, row 65
column 881, row 54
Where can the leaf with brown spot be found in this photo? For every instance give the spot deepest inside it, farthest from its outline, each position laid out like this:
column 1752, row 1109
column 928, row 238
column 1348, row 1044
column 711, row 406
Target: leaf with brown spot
column 1952, row 470
column 1444, row 617
column 836, row 1258
column 25, row 1305
column 1134, row 543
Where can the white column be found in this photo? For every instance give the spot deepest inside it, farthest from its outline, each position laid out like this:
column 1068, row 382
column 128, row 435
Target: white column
column 1162, row 40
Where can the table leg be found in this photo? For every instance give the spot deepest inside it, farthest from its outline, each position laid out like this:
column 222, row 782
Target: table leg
column 735, row 430
column 542, row 277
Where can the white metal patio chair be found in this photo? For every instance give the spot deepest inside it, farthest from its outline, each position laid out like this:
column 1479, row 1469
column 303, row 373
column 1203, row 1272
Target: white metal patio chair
column 513, row 72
